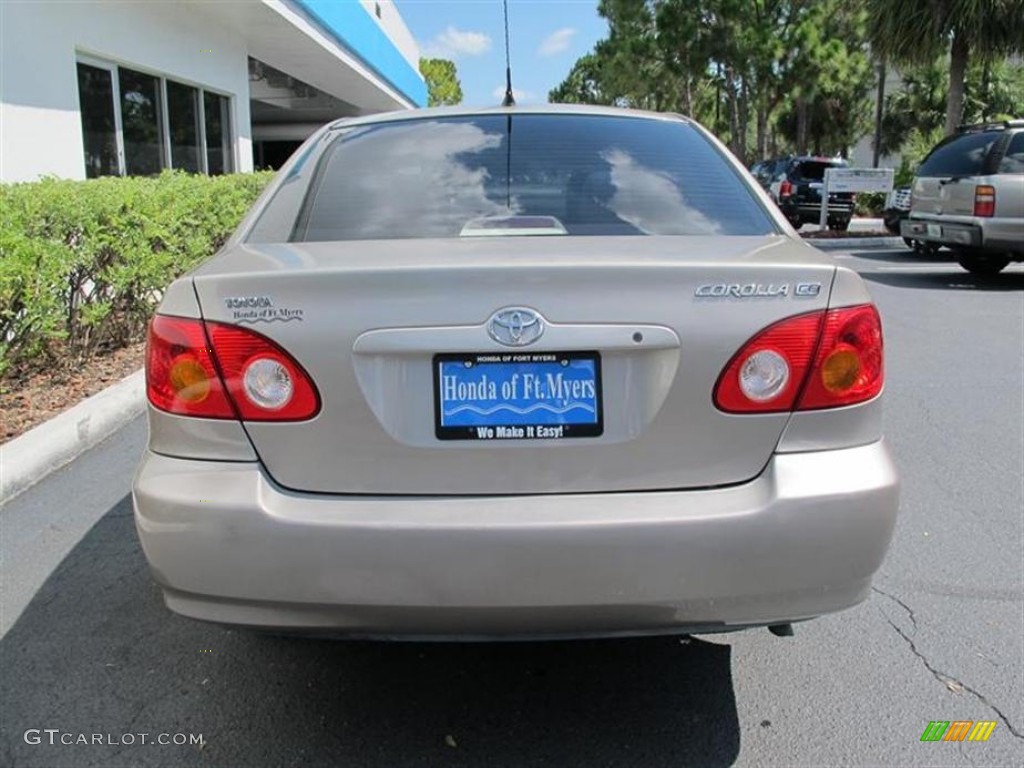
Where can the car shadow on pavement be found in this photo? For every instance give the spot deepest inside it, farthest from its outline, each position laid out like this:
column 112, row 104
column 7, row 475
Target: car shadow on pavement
column 948, row 275
column 944, row 280
column 96, row 652
column 901, row 256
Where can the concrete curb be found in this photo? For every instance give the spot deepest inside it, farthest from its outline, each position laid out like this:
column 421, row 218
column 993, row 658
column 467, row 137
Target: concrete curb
column 29, row 458
column 856, row 243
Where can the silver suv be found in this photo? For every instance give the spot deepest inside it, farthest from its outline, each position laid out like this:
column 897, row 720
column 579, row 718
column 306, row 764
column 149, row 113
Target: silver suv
column 969, row 196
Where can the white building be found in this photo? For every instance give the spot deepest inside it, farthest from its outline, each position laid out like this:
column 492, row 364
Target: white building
column 91, row 87
column 863, row 153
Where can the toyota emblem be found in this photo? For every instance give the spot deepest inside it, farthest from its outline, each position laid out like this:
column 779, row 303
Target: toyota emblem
column 515, row 326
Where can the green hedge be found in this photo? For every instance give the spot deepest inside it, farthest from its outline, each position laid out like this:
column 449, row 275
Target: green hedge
column 870, row 203
column 82, row 263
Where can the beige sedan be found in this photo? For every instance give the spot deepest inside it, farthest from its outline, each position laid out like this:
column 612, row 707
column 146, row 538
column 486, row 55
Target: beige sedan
column 515, row 372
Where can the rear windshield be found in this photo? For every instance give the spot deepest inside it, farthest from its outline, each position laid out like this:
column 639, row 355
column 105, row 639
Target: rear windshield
column 962, row 155
column 812, row 170
column 525, row 174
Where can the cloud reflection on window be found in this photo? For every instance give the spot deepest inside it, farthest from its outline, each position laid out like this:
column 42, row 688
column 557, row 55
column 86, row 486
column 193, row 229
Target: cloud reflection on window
column 430, row 169
column 651, row 201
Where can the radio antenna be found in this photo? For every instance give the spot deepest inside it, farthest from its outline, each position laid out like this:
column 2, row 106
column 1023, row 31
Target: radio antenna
column 510, row 99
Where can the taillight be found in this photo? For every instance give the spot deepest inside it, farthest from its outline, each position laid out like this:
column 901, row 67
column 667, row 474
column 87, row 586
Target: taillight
column 263, row 381
column 218, row 371
column 848, row 367
column 766, row 374
column 181, row 376
column 984, row 200
column 822, row 359
column 785, row 189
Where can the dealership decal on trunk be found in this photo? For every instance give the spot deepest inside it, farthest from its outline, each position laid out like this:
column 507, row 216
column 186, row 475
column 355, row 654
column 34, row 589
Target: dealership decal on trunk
column 260, row 309
column 248, row 302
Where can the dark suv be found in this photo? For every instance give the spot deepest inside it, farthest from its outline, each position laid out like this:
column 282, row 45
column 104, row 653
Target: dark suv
column 795, row 185
column 969, row 196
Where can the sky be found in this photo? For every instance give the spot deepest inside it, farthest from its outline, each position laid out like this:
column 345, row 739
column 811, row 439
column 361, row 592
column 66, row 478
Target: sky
column 547, row 36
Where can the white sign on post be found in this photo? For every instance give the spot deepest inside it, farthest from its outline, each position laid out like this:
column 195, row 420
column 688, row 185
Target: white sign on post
column 852, row 180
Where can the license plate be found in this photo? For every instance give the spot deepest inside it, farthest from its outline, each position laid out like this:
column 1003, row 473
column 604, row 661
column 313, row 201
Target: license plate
column 934, row 230
column 517, row 396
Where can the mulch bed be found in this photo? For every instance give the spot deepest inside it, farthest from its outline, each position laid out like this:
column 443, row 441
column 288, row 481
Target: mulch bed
column 29, row 400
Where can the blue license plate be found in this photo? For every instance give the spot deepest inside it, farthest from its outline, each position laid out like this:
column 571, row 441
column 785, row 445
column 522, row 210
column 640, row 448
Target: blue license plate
column 517, row 396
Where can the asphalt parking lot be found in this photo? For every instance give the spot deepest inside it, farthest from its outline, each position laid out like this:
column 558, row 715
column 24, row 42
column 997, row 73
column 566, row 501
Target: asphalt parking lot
column 89, row 648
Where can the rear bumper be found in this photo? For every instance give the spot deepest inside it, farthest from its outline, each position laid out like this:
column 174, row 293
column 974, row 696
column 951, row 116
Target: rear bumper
column 941, row 233
column 801, row 540
column 809, row 211
column 1001, row 234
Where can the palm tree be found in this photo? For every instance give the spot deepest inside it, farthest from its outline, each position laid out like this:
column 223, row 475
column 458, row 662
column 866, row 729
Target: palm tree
column 919, row 31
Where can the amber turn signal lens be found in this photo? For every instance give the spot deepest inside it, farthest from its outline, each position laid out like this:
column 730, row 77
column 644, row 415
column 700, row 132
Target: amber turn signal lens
column 189, row 379
column 840, row 370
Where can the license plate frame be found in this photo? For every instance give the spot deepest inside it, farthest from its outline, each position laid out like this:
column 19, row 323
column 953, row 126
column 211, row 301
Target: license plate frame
column 934, row 230
column 519, row 418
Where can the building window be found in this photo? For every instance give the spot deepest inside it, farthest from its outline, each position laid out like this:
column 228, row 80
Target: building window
column 218, row 133
column 141, row 123
column 135, row 123
column 183, row 114
column 99, row 132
